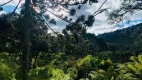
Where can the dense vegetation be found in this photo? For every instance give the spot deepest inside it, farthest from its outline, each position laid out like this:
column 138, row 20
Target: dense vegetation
column 29, row 52
column 128, row 39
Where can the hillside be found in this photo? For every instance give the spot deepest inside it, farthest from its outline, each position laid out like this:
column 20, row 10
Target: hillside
column 128, row 39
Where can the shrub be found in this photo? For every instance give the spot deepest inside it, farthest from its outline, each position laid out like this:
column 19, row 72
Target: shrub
column 6, row 73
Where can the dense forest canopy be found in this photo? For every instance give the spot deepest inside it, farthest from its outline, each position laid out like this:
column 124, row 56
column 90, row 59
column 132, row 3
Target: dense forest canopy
column 131, row 37
column 29, row 52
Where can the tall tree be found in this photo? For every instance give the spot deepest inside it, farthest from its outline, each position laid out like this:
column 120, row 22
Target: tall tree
column 27, row 21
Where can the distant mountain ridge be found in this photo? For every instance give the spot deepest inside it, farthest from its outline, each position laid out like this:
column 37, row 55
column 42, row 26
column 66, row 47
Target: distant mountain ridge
column 128, row 39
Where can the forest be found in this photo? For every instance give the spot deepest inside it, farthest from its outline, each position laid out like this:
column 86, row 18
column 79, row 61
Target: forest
column 28, row 51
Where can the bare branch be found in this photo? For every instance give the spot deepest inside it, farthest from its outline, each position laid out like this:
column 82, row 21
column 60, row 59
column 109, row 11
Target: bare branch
column 128, row 10
column 72, row 4
column 6, row 3
column 138, row 8
column 46, row 22
column 41, row 16
column 59, row 17
column 16, row 7
column 118, row 15
column 100, row 7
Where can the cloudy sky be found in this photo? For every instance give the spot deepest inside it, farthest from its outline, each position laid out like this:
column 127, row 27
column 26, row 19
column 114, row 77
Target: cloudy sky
column 100, row 26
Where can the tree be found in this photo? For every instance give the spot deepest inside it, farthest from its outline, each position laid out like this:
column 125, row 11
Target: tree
column 128, row 7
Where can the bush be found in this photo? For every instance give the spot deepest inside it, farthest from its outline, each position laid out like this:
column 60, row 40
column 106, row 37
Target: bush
column 6, row 73
column 106, row 55
column 50, row 73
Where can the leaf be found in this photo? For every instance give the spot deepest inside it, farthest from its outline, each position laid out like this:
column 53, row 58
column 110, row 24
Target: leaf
column 89, row 22
column 140, row 58
column 47, row 17
column 94, row 1
column 79, row 7
column 133, row 58
column 72, row 12
column 132, row 67
column 52, row 21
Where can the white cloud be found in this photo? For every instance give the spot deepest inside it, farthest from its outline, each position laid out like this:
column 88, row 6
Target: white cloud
column 2, row 12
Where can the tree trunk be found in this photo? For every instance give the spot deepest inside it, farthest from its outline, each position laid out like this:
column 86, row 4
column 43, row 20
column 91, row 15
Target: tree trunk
column 26, row 55
column 26, row 52
column 35, row 61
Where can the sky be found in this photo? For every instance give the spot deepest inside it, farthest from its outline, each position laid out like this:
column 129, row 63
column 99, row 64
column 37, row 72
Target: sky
column 100, row 25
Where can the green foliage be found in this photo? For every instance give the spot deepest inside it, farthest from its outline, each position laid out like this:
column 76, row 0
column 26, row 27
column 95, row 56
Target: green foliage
column 6, row 73
column 69, row 70
column 105, row 55
column 9, row 66
column 40, row 72
column 128, row 71
column 88, row 62
column 73, row 72
column 52, row 73
column 67, row 56
column 101, row 74
column 71, row 55
column 61, row 76
column 135, row 66
column 87, row 68
column 118, row 57
column 128, row 39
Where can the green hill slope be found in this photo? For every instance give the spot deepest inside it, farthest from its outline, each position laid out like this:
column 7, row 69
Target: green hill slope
column 128, row 39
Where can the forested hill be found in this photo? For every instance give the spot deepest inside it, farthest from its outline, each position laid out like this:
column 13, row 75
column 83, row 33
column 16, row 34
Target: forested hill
column 128, row 39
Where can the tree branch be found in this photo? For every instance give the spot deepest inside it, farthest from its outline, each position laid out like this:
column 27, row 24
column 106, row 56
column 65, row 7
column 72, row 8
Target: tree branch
column 69, row 4
column 127, row 9
column 99, row 7
column 16, row 7
column 45, row 21
column 138, row 8
column 42, row 17
column 6, row 3
column 59, row 17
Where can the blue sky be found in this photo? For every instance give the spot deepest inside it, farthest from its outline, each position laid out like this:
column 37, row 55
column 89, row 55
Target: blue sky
column 129, row 23
column 9, row 8
column 100, row 25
